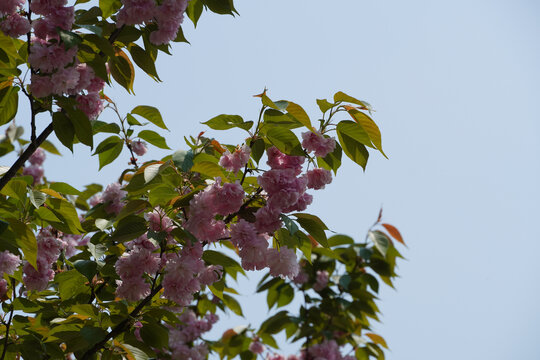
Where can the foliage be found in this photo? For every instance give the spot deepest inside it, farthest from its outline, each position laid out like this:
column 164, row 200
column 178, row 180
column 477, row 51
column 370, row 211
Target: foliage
column 140, row 269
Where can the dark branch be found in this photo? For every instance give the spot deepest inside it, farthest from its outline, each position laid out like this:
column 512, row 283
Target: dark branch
column 26, row 154
column 121, row 327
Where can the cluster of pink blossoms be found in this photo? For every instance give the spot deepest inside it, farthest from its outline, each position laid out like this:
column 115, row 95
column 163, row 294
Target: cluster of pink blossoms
column 160, row 222
column 236, row 160
column 113, row 197
column 8, row 265
column 35, row 169
column 168, row 16
column 49, row 248
column 132, row 266
column 214, row 200
column 255, row 254
column 186, row 274
column 57, row 70
column 13, row 25
column 314, row 141
column 182, row 337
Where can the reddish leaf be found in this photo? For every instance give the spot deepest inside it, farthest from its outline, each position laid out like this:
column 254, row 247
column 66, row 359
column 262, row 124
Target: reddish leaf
column 394, row 232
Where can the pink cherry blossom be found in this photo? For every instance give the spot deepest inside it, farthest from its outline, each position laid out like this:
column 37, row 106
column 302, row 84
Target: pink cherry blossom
column 48, row 58
column 136, row 12
column 96, row 85
column 303, row 201
column 113, row 197
column 64, row 80
column 8, row 262
column 278, row 160
column 159, row 221
column 211, row 274
column 8, row 7
column 15, row 25
column 321, row 280
column 37, row 279
column 38, row 157
column 318, row 178
column 86, row 74
column 257, row 347
column 40, row 86
column 254, row 255
column 301, row 278
column 35, row 171
column 267, row 220
column 44, row 7
column 314, row 141
column 275, row 357
column 132, row 289
column 230, row 198
column 283, row 262
column 91, row 104
column 139, row 147
column 243, row 233
column 49, row 246
column 236, row 160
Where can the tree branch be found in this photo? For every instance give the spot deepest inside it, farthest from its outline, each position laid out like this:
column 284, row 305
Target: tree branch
column 8, row 325
column 121, row 327
column 26, row 154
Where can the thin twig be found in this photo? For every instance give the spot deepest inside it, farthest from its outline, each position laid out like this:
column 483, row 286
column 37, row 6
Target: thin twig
column 8, row 325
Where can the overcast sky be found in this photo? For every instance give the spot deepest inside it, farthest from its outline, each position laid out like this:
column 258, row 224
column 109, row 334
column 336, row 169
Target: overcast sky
column 456, row 88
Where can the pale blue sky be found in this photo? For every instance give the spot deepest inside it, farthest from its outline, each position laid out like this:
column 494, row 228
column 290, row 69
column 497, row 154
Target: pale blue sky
column 456, row 86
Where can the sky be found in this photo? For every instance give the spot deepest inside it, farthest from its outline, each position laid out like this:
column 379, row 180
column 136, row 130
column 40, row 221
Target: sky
column 456, row 88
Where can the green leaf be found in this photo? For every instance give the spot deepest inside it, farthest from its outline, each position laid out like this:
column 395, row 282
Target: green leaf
column 194, row 11
column 380, row 240
column 92, row 335
column 223, row 7
column 257, row 149
column 132, row 121
column 338, row 240
column 155, row 335
column 314, row 226
column 153, row 138
column 354, row 149
column 67, row 213
column 275, row 323
column 232, row 267
column 129, row 228
column 103, row 127
column 285, row 140
column 63, row 128
column 108, row 150
column 15, row 188
column 341, row 96
column 289, row 224
column 144, row 61
column 9, row 104
column 209, row 169
column 70, row 39
column 37, row 198
column 369, row 126
column 71, row 283
column 277, row 118
column 151, row 114
column 109, row 7
column 233, row 304
column 183, row 159
column 122, row 70
column 26, row 240
column 95, row 29
column 355, row 131
column 324, row 105
column 224, row 122
column 86, row 267
column 299, row 114
column 49, row 146
column 64, row 188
